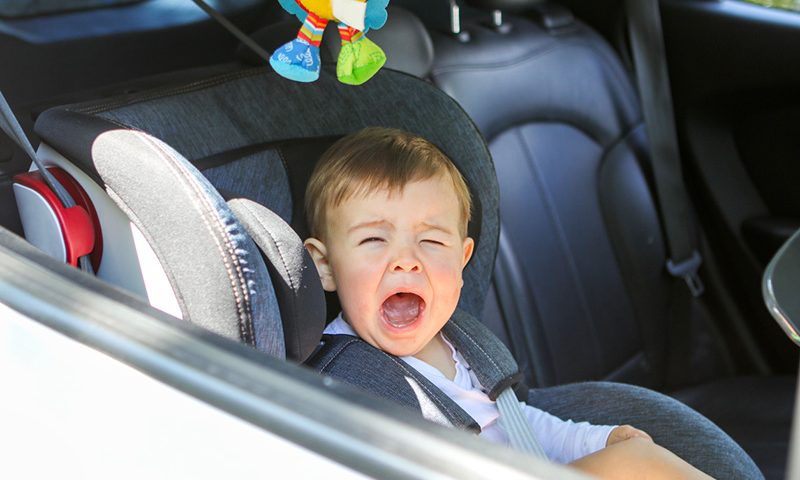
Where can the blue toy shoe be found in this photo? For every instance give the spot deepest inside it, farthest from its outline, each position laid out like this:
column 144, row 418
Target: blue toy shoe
column 297, row 60
column 376, row 14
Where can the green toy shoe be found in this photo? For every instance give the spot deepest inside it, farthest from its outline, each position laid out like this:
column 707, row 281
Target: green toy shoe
column 359, row 61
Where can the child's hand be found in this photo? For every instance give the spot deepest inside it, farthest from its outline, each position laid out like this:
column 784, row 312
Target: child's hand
column 625, row 432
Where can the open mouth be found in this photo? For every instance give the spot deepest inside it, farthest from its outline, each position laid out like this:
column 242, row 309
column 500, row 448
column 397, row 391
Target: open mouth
column 402, row 309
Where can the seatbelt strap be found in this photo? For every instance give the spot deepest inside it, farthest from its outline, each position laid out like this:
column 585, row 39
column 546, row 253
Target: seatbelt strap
column 12, row 128
column 647, row 42
column 519, row 430
column 230, row 27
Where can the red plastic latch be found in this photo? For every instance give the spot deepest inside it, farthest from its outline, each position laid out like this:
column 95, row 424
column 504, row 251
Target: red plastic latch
column 78, row 233
column 80, row 225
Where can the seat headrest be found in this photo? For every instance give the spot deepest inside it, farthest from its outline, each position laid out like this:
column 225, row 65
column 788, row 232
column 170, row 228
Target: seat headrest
column 297, row 285
column 403, row 38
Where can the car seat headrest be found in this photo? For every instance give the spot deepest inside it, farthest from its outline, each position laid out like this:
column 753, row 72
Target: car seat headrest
column 404, row 39
column 297, row 285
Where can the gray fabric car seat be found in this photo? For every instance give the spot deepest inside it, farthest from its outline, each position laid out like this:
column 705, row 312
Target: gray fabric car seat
column 228, row 128
column 580, row 291
column 170, row 157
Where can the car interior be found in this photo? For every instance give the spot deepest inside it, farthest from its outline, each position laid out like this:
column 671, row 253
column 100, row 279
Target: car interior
column 191, row 156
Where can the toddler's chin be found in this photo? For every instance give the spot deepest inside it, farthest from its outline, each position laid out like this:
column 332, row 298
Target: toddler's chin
column 397, row 350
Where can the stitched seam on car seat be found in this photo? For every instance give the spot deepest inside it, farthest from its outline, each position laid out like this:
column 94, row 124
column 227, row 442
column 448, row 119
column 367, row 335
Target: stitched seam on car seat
column 245, row 317
column 240, row 293
column 293, row 284
column 336, row 353
column 292, row 281
column 467, row 67
column 193, row 86
column 621, row 78
column 624, row 138
column 533, row 120
column 477, row 345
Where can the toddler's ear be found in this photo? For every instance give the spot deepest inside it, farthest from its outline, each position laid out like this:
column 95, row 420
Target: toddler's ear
column 319, row 254
column 469, row 246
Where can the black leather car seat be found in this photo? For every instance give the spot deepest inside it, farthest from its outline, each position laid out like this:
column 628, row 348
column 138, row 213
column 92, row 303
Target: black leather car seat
column 580, row 291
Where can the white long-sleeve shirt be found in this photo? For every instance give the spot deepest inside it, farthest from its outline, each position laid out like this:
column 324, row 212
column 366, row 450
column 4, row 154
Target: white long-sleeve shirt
column 562, row 441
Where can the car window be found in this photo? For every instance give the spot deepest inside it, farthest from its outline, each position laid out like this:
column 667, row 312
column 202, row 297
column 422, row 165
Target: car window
column 784, row 4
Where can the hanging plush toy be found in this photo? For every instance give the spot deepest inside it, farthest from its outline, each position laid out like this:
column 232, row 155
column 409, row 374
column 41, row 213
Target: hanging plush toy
column 359, row 58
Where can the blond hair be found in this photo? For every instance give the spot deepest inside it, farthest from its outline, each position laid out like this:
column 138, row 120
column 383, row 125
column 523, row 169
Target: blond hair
column 373, row 159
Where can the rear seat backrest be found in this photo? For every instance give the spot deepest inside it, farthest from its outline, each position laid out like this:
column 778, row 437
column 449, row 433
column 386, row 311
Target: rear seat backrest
column 580, row 278
column 564, row 128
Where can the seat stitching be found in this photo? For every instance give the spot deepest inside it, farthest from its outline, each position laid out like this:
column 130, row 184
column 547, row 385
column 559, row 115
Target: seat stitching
column 338, row 351
column 292, row 281
column 476, row 344
column 240, row 293
column 276, row 243
column 193, row 86
column 466, row 67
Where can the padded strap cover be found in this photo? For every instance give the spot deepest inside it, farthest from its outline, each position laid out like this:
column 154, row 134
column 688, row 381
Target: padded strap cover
column 358, row 363
column 297, row 285
column 489, row 358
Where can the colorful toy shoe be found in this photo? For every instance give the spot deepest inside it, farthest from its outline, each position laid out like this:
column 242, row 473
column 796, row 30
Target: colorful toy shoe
column 297, row 60
column 358, row 61
column 376, row 14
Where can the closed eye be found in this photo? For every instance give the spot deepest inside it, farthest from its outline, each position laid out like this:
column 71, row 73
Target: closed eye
column 433, row 242
column 370, row 240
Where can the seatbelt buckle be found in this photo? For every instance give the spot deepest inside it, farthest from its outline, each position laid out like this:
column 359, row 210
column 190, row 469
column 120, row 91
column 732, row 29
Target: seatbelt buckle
column 687, row 270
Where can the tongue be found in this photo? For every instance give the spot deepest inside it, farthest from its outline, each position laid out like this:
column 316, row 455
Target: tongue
column 402, row 309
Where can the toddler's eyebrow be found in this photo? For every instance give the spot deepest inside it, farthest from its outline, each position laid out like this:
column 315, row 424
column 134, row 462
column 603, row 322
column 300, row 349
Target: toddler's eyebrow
column 370, row 224
column 432, row 226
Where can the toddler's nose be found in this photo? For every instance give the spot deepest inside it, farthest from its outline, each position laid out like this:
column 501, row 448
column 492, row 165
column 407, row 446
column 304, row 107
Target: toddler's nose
column 406, row 262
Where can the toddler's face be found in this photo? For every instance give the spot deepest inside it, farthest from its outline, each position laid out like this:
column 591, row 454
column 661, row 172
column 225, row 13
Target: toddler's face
column 396, row 263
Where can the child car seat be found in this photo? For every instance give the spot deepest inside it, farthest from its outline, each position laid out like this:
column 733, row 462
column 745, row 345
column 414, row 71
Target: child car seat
column 161, row 158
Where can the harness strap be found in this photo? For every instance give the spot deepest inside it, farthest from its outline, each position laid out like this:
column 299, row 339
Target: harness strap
column 345, row 357
column 358, row 363
column 489, row 358
column 230, row 27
